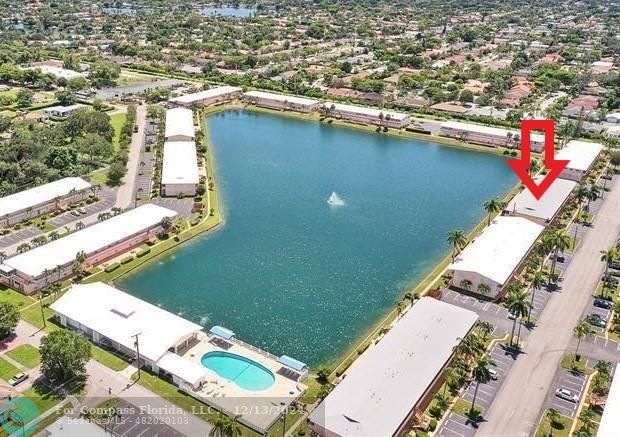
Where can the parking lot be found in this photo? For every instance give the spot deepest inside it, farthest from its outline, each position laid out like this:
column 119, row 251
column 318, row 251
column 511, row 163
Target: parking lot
column 134, row 423
column 16, row 237
column 105, row 203
column 456, row 425
column 575, row 382
column 181, row 206
column 491, row 312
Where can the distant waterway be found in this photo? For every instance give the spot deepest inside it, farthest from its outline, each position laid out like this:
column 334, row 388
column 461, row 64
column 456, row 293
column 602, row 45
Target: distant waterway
column 229, row 12
column 325, row 229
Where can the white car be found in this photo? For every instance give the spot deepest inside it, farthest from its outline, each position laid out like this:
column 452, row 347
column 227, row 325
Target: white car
column 493, row 374
column 567, row 395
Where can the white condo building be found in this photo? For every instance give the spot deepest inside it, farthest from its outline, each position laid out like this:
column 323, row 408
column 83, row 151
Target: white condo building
column 394, row 380
column 366, row 115
column 210, row 97
column 33, row 270
column 490, row 136
column 180, row 169
column 495, row 255
column 41, row 200
column 282, row 102
column 179, row 125
column 581, row 156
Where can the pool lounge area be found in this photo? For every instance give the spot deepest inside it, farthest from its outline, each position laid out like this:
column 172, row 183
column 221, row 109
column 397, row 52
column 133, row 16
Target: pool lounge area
column 244, row 380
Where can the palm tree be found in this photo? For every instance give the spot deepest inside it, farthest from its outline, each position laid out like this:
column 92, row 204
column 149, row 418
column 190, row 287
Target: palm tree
column 517, row 304
column 594, row 192
column 493, row 206
column 483, row 288
column 582, row 330
column 465, row 284
column 224, row 426
column 458, row 240
column 545, row 246
column 484, row 329
column 603, row 367
column 581, row 194
column 3, row 257
column 537, row 283
column 561, row 242
column 54, row 235
column 24, row 247
column 480, row 373
column 609, row 256
column 554, row 417
column 469, row 348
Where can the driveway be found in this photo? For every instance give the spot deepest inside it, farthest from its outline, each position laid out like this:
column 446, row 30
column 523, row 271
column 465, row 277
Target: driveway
column 575, row 382
column 520, row 399
column 125, row 195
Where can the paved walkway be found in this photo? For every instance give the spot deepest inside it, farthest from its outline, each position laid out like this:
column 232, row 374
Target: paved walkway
column 125, row 195
column 520, row 399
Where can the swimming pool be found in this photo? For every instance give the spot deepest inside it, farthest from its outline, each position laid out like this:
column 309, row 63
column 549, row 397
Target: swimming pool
column 247, row 374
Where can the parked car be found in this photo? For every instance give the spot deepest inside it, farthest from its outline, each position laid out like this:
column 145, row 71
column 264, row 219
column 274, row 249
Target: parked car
column 603, row 303
column 567, row 395
column 615, row 264
column 614, row 272
column 493, row 374
column 18, row 379
column 596, row 320
column 75, row 212
column 560, row 258
column 511, row 315
column 82, row 211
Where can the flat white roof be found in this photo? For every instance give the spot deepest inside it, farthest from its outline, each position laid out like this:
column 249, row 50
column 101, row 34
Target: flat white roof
column 610, row 422
column 282, row 98
column 387, row 380
column 499, row 249
column 118, row 316
column 180, row 165
column 548, row 205
column 65, row 108
column 57, row 71
column 581, row 154
column 488, row 130
column 41, row 194
column 185, row 369
column 206, row 94
column 364, row 110
column 89, row 240
column 71, row 427
column 179, row 121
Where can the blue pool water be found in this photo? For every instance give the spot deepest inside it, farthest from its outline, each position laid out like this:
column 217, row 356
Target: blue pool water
column 244, row 372
column 296, row 270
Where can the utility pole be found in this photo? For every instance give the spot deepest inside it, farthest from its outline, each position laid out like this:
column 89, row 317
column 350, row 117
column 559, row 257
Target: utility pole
column 137, row 345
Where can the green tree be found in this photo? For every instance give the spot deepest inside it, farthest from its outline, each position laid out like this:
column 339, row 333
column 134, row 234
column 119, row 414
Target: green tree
column 581, row 331
column 457, row 240
column 538, row 281
column 554, row 417
column 518, row 305
column 65, row 97
column 95, row 146
column 493, row 206
column 64, row 355
column 480, row 373
column 609, row 256
column 24, row 97
column 116, row 172
column 9, row 317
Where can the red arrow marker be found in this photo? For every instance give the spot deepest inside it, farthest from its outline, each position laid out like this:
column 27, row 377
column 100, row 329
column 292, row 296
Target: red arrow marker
column 521, row 166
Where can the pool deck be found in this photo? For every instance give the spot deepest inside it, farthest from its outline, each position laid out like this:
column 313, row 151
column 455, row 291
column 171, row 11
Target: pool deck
column 258, row 409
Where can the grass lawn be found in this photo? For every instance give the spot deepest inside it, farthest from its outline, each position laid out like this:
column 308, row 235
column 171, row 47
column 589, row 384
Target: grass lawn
column 17, row 299
column 32, row 315
column 108, row 359
column 7, row 370
column 43, row 397
column 545, row 429
column 117, row 121
column 99, row 176
column 130, row 77
column 462, row 407
column 26, row 355
column 568, row 362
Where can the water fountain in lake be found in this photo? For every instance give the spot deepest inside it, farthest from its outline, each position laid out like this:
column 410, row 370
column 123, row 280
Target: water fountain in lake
column 335, row 200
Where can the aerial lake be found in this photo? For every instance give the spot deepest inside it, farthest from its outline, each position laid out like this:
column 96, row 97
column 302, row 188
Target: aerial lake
column 325, row 228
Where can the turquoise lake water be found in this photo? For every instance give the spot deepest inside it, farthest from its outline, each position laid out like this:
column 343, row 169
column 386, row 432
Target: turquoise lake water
column 294, row 275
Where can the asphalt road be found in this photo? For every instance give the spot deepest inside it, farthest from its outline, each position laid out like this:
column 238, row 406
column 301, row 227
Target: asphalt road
column 517, row 405
column 125, row 195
